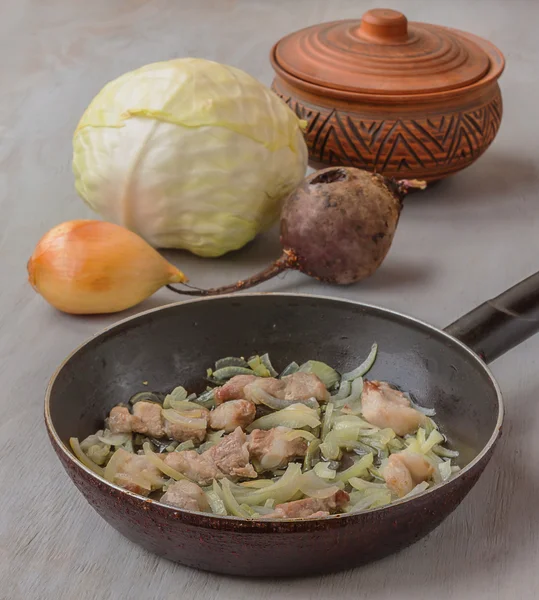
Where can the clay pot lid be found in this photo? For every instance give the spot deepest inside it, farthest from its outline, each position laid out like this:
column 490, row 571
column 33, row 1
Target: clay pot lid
column 382, row 53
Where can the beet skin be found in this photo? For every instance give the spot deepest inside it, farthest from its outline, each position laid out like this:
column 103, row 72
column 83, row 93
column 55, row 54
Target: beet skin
column 337, row 226
column 340, row 222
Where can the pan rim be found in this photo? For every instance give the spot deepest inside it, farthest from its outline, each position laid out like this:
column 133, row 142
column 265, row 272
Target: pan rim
column 340, row 517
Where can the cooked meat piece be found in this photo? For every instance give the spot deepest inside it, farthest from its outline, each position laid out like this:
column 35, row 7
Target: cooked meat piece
column 236, row 413
column 272, row 449
column 397, row 476
column 147, row 419
column 302, row 386
column 404, row 470
column 310, row 507
column 120, row 420
column 233, row 389
column 197, row 467
column 298, row 386
column 134, row 472
column 385, row 407
column 186, row 495
column 419, row 467
column 231, row 455
column 273, row 387
column 188, row 425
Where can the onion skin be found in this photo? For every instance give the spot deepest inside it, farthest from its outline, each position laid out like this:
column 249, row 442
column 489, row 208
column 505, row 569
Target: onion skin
column 340, row 223
column 95, row 267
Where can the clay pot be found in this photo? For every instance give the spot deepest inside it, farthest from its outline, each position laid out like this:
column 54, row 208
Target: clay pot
column 406, row 99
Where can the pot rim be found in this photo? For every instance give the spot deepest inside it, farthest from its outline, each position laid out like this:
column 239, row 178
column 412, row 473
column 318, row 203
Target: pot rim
column 147, row 503
column 497, row 66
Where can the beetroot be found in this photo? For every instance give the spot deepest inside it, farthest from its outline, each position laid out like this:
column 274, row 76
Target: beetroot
column 337, row 226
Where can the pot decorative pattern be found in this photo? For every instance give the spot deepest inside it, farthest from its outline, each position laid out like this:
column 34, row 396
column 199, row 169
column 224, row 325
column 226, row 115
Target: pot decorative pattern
column 418, row 145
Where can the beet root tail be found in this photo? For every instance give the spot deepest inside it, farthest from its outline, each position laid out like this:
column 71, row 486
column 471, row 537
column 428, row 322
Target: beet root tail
column 283, row 263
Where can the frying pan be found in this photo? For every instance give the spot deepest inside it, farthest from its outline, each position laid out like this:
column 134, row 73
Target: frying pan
column 174, row 344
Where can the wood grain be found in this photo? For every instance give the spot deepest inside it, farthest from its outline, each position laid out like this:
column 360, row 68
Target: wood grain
column 462, row 241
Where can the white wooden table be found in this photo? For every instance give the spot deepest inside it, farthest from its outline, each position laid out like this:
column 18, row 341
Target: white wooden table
column 457, row 244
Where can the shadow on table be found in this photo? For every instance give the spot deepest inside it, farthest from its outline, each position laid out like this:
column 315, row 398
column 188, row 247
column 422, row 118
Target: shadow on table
column 496, row 179
column 392, row 275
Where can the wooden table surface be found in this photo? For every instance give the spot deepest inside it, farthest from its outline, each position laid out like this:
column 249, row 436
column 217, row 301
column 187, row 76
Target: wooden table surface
column 459, row 243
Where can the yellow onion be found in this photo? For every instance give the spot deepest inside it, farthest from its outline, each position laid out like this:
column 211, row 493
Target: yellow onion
column 92, row 267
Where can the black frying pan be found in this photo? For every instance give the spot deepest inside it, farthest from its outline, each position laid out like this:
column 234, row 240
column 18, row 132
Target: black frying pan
column 174, row 344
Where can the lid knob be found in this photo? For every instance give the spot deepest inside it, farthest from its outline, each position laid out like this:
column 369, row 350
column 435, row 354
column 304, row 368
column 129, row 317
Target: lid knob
column 384, row 26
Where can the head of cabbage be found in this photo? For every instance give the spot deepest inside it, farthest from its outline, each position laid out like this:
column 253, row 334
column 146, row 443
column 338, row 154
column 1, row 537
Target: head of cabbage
column 189, row 153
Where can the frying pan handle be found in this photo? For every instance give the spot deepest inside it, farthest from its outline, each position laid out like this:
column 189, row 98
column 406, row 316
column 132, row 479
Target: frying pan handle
column 501, row 323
